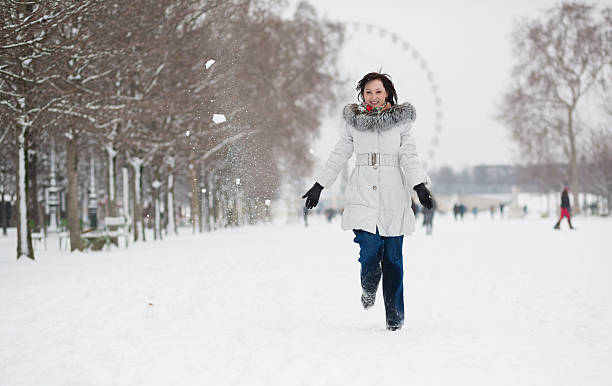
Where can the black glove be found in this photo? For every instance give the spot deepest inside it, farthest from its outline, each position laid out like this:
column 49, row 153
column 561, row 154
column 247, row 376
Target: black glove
column 424, row 195
column 312, row 195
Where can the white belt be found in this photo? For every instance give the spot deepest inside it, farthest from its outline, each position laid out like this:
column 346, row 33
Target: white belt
column 377, row 159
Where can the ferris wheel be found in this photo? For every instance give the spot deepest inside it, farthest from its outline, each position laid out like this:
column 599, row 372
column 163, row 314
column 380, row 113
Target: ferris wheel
column 370, row 48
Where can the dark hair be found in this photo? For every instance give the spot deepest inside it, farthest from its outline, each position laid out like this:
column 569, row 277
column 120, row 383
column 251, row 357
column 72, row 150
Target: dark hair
column 386, row 81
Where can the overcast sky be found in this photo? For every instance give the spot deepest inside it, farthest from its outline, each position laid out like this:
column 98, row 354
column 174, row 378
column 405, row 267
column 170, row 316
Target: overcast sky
column 467, row 47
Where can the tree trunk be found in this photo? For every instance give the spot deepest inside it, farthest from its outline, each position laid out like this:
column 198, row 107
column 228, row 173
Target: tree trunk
column 24, row 216
column 34, row 206
column 112, row 185
column 201, row 201
column 126, row 195
column 170, row 213
column 195, row 195
column 156, row 205
column 215, row 203
column 573, row 163
column 73, row 193
column 134, row 206
column 4, row 211
column 206, row 205
column 139, row 229
column 24, row 233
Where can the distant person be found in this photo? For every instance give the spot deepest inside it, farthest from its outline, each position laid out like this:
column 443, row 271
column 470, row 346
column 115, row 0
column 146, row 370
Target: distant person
column 594, row 207
column 566, row 209
column 378, row 205
column 428, row 215
column 492, row 210
column 306, row 217
column 415, row 209
column 475, row 212
column 462, row 210
column 525, row 210
column 330, row 213
column 501, row 210
column 456, row 210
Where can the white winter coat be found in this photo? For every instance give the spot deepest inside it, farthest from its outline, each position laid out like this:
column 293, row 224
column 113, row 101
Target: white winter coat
column 377, row 195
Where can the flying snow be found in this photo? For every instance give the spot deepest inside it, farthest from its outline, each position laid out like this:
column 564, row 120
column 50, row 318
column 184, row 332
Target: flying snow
column 209, row 63
column 219, row 118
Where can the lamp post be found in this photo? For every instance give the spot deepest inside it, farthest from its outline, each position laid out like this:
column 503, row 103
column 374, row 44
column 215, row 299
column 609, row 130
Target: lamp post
column 92, row 207
column 52, row 195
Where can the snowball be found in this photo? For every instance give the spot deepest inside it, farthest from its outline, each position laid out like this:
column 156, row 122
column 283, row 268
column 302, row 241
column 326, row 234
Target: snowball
column 219, row 118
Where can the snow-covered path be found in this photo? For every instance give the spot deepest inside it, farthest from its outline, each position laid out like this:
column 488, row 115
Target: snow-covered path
column 487, row 303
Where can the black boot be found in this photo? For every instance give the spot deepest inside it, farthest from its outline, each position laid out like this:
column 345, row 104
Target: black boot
column 368, row 299
column 557, row 225
column 570, row 223
column 369, row 285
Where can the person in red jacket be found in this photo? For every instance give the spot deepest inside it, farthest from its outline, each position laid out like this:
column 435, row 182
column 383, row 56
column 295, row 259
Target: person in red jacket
column 565, row 209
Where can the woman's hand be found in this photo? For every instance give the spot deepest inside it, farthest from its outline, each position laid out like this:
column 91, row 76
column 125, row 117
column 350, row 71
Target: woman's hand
column 424, row 195
column 312, row 195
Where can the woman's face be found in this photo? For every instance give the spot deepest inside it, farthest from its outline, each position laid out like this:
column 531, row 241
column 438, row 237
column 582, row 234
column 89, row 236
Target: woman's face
column 374, row 93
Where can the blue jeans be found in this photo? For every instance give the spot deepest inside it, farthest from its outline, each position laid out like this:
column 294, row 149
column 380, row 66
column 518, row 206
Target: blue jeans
column 382, row 256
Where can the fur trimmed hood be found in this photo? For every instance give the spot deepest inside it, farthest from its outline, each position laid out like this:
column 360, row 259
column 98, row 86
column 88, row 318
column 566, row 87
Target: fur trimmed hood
column 361, row 119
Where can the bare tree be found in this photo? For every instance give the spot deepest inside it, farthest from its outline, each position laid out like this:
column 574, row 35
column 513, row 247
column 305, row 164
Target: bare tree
column 598, row 163
column 27, row 55
column 130, row 80
column 560, row 58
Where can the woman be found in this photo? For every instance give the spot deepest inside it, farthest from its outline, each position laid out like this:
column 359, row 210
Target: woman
column 378, row 204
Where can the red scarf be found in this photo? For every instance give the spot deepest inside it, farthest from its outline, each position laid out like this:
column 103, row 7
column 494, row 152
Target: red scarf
column 376, row 109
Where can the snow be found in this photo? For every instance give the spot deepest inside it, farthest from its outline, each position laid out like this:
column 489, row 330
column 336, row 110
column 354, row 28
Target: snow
column 219, row 118
column 488, row 302
column 209, row 63
column 200, row 21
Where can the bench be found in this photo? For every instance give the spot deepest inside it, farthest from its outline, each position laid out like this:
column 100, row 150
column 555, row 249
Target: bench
column 117, row 227
column 64, row 236
column 112, row 227
column 39, row 236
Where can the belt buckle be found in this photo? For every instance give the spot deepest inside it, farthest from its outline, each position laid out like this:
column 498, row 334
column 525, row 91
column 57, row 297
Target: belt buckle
column 373, row 159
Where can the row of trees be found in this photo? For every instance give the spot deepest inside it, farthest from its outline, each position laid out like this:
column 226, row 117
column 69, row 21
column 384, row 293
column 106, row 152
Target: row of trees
column 558, row 107
column 136, row 85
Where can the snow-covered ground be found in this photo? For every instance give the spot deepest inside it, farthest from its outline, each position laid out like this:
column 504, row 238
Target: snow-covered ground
column 509, row 302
